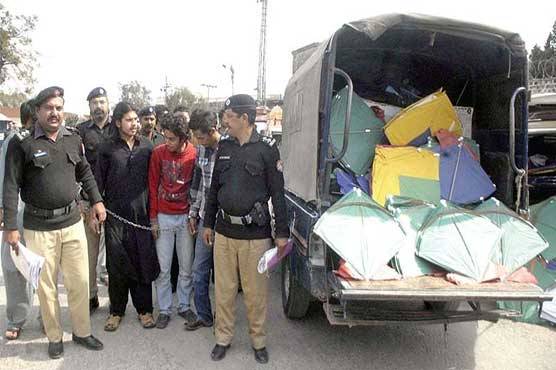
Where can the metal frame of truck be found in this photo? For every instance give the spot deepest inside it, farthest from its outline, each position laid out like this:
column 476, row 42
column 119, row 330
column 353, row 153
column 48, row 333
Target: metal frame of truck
column 485, row 68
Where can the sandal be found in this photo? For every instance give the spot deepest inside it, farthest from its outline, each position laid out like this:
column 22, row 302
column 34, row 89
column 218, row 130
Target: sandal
column 12, row 333
column 112, row 323
column 147, row 320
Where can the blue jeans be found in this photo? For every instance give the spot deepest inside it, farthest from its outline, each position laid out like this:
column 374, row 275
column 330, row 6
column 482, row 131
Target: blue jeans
column 165, row 250
column 202, row 267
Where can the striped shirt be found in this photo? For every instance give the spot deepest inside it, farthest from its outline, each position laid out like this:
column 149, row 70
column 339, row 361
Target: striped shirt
column 200, row 185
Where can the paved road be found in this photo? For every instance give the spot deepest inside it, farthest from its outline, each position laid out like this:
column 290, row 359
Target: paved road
column 307, row 344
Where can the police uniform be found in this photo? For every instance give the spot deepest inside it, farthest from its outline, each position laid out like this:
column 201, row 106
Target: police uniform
column 93, row 136
column 245, row 177
column 46, row 173
column 155, row 137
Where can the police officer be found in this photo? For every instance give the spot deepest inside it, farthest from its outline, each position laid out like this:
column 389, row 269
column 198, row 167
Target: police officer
column 247, row 173
column 93, row 133
column 46, row 167
column 148, row 120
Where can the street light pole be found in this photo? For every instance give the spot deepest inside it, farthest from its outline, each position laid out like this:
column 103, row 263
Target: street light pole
column 208, row 86
column 232, row 73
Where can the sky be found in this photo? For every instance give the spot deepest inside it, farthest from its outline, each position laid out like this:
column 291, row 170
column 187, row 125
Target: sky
column 84, row 44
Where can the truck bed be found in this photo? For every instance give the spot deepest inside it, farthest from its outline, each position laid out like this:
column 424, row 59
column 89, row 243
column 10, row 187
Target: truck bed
column 432, row 288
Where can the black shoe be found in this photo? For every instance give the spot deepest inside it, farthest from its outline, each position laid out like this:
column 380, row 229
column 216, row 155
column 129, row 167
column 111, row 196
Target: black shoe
column 162, row 321
column 199, row 323
column 189, row 316
column 89, row 342
column 261, row 355
column 93, row 305
column 218, row 352
column 55, row 349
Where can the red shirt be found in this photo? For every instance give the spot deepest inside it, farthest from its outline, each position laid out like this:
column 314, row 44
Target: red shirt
column 170, row 177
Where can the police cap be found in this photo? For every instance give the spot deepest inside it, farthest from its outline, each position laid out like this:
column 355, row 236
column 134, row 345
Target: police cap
column 240, row 103
column 96, row 92
column 147, row 111
column 48, row 93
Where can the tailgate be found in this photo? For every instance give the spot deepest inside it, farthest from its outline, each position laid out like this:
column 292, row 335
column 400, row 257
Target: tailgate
column 431, row 288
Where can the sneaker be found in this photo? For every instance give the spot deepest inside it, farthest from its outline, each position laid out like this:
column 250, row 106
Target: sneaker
column 197, row 324
column 188, row 315
column 162, row 321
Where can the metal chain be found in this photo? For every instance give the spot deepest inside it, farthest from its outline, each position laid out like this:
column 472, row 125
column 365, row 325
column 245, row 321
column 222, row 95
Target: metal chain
column 142, row 227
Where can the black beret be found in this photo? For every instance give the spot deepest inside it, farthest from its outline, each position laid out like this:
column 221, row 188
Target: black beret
column 241, row 102
column 96, row 92
column 147, row 111
column 49, row 92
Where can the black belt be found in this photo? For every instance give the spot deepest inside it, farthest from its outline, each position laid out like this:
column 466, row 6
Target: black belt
column 50, row 213
column 236, row 220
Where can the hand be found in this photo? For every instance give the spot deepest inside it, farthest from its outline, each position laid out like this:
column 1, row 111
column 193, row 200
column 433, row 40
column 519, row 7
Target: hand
column 193, row 225
column 98, row 213
column 12, row 237
column 281, row 244
column 1, row 217
column 155, row 230
column 208, row 236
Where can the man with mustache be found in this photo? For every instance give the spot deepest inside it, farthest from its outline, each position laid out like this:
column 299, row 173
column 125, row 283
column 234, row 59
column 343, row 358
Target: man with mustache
column 93, row 133
column 45, row 168
column 148, row 119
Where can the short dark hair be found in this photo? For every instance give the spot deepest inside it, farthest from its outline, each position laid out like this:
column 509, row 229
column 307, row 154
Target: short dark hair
column 26, row 111
column 176, row 126
column 120, row 110
column 203, row 120
column 181, row 108
column 251, row 113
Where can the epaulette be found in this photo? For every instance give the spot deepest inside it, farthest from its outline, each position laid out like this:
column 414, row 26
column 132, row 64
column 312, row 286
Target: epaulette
column 226, row 137
column 268, row 140
column 73, row 130
column 22, row 134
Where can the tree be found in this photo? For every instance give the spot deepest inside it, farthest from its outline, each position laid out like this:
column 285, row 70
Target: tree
column 542, row 62
column 183, row 96
column 71, row 119
column 135, row 94
column 17, row 59
column 12, row 100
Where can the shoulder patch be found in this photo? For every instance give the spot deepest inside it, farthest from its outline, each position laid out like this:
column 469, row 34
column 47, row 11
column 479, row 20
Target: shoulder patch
column 73, row 130
column 22, row 134
column 268, row 140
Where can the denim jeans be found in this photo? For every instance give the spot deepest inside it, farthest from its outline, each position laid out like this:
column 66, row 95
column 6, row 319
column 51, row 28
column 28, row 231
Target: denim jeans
column 165, row 250
column 202, row 267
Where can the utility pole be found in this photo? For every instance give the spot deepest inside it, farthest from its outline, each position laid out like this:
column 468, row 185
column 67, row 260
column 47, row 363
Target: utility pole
column 261, row 78
column 165, row 89
column 232, row 73
column 208, row 92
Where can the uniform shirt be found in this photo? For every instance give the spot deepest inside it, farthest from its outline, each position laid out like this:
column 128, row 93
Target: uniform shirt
column 200, row 185
column 47, row 173
column 156, row 138
column 170, row 177
column 121, row 175
column 93, row 136
column 244, row 175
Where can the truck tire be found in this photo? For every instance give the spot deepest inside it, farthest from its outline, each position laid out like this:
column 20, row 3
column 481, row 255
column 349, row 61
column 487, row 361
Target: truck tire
column 295, row 298
column 443, row 305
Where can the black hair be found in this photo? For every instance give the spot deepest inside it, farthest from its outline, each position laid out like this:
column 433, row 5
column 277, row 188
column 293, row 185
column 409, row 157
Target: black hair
column 26, row 112
column 175, row 125
column 203, row 120
column 161, row 110
column 121, row 109
column 251, row 113
column 181, row 108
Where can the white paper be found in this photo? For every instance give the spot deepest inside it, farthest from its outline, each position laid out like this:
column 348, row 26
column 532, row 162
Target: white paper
column 465, row 115
column 28, row 263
